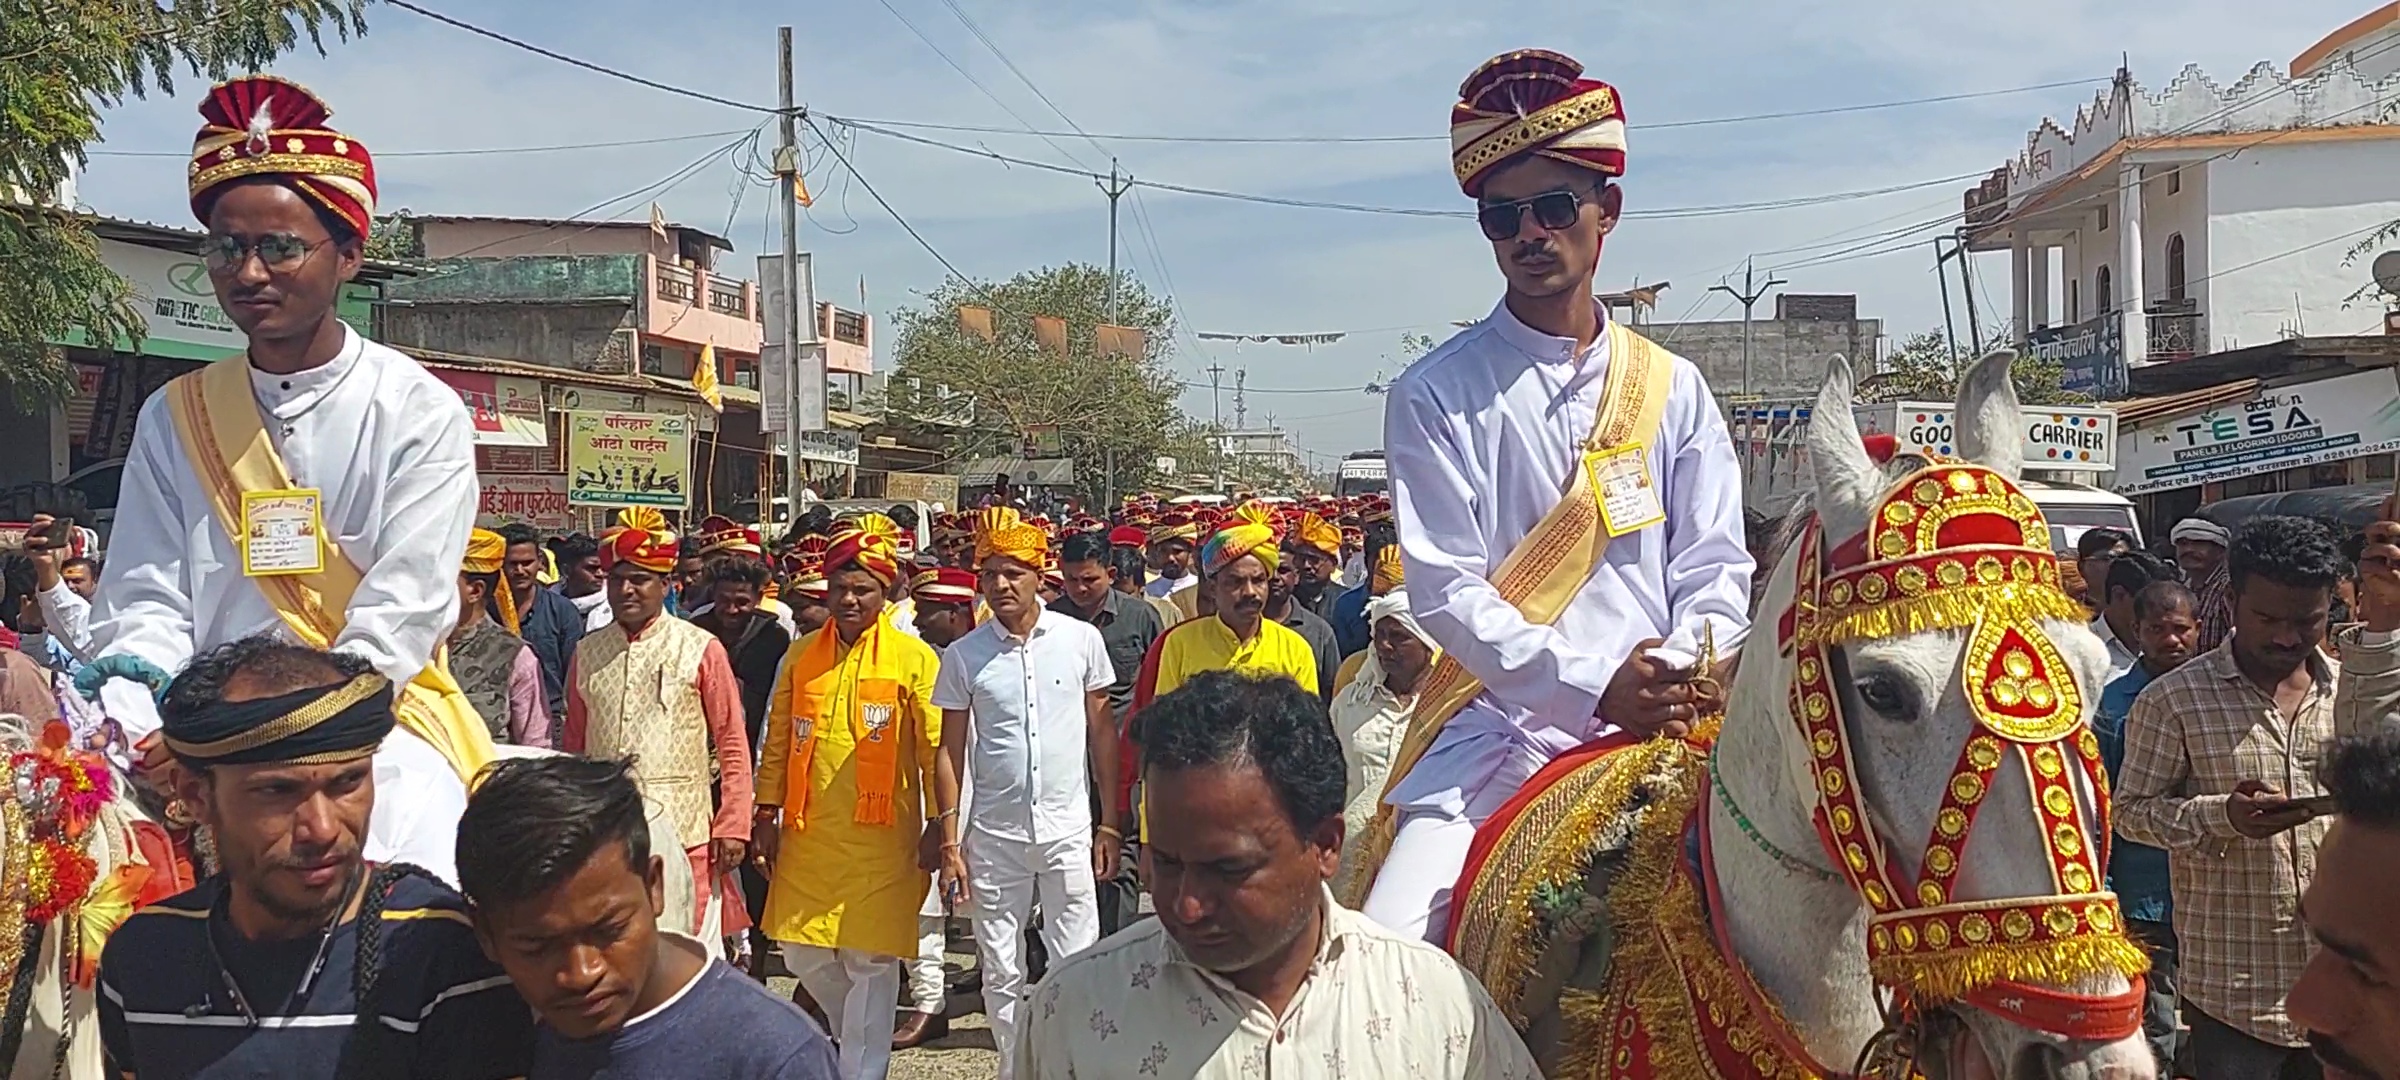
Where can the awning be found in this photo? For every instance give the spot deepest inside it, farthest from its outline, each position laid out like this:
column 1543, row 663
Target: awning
column 1021, row 472
column 2137, row 412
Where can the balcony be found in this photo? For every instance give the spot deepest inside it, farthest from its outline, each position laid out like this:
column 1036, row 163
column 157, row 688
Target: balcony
column 2176, row 335
column 689, row 307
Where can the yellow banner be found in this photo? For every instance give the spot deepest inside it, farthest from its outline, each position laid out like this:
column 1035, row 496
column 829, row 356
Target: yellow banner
column 629, row 459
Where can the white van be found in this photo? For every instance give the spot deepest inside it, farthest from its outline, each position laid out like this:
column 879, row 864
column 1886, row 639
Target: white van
column 2075, row 509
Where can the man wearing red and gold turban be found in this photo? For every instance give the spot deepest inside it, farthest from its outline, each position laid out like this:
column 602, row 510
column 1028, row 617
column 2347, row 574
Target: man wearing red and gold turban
column 852, row 737
column 1172, row 543
column 663, row 691
column 357, row 441
column 1544, row 428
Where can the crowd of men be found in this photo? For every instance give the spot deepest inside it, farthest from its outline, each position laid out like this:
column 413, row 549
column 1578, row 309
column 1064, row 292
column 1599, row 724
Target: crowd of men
column 440, row 801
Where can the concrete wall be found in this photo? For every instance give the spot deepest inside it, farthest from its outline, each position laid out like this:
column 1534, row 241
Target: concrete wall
column 2270, row 201
column 1787, row 357
column 595, row 336
column 495, row 239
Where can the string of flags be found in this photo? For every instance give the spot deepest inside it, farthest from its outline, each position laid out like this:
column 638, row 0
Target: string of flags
column 1050, row 333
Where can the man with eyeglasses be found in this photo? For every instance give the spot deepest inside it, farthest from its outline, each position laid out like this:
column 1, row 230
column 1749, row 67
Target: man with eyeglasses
column 320, row 487
column 1546, row 428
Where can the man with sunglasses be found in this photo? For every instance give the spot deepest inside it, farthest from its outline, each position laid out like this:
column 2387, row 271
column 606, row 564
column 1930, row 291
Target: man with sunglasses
column 320, row 487
column 1544, row 429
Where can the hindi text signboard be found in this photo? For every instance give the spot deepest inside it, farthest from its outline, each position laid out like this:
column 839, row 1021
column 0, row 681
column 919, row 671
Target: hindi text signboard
column 629, row 459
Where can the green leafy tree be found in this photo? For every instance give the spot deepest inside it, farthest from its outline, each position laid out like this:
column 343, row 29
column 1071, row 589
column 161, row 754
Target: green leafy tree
column 1920, row 369
column 1105, row 407
column 61, row 62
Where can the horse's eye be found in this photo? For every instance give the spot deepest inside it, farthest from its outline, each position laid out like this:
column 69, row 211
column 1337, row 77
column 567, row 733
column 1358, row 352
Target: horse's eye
column 1884, row 695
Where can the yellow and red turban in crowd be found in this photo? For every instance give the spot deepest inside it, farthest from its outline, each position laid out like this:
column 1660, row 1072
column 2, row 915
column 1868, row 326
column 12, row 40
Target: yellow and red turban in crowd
column 487, row 553
column 806, row 565
column 1387, row 574
column 943, row 585
column 999, row 531
column 721, row 534
column 642, row 539
column 1174, row 527
column 1316, row 532
column 869, row 543
column 1534, row 101
column 1249, row 533
column 260, row 125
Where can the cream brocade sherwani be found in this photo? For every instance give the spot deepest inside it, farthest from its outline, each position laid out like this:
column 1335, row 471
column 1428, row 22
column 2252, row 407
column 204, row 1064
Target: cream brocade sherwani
column 392, row 450
column 1374, row 1005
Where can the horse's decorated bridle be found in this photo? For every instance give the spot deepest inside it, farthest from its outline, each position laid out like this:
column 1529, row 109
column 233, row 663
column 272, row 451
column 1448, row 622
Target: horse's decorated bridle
column 1958, row 547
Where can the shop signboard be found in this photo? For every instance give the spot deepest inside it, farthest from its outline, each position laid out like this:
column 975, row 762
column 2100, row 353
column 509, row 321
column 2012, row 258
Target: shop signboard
column 934, row 488
column 2091, row 354
column 507, row 409
column 629, row 459
column 2282, row 427
column 2055, row 437
column 537, row 500
column 834, row 447
column 566, row 397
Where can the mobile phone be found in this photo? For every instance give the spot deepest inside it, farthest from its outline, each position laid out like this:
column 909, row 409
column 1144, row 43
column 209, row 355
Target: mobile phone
column 2317, row 806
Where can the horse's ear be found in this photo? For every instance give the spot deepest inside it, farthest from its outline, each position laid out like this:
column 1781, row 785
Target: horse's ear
column 1989, row 429
column 1847, row 480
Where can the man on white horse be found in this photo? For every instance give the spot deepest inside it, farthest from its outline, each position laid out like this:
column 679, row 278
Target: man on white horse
column 321, row 487
column 1566, row 491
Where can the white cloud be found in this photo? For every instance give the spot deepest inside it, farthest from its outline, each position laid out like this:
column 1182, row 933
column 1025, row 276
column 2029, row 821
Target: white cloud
column 1243, row 67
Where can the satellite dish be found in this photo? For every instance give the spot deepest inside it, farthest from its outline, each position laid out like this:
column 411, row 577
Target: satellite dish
column 2387, row 272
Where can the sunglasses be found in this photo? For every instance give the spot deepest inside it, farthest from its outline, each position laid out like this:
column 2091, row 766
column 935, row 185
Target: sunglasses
column 1551, row 209
column 277, row 251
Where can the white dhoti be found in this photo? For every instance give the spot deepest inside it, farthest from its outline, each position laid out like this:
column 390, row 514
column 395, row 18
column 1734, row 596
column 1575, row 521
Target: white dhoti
column 1007, row 878
column 860, row 993
column 1438, row 820
column 926, row 991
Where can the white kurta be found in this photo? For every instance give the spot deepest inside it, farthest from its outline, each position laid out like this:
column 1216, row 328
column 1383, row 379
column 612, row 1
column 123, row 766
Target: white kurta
column 391, row 448
column 1482, row 436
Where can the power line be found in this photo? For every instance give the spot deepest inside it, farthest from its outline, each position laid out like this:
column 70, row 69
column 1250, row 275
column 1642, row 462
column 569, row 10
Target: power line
column 474, row 152
column 587, row 65
column 1340, row 139
column 970, row 77
column 657, row 187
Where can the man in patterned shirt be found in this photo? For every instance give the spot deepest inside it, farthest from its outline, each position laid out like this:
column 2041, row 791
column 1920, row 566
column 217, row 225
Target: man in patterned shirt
column 2218, row 757
column 1250, row 968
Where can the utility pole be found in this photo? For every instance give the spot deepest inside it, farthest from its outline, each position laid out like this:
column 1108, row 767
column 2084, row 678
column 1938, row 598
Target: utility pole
column 1216, row 420
column 787, row 173
column 1241, row 402
column 1115, row 188
column 1941, row 273
column 1751, row 293
column 1966, row 288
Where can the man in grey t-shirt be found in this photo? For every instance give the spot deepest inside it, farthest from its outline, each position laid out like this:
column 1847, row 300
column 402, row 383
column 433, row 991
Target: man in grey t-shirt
column 565, row 894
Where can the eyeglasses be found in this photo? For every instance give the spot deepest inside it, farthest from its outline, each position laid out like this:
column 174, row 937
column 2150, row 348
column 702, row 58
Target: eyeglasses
column 1552, row 209
column 277, row 251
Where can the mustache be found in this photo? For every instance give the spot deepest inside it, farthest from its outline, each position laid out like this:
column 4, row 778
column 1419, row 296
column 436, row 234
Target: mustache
column 1530, row 248
column 2334, row 1054
column 304, row 858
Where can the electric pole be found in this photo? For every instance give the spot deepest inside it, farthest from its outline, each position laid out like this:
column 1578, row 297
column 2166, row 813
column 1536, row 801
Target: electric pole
column 1751, row 293
column 787, row 177
column 1115, row 188
column 1216, row 421
column 1241, row 402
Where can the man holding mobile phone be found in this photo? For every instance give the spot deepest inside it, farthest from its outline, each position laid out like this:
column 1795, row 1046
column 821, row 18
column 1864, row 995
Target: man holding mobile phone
column 2218, row 771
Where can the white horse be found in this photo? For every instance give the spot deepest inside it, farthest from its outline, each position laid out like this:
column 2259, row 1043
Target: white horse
column 1802, row 935
column 1538, row 907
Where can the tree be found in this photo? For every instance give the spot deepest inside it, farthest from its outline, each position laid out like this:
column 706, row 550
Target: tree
column 1105, row 407
column 1920, row 369
column 61, row 61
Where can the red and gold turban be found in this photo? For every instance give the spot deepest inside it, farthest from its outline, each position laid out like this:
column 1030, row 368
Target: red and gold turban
column 641, row 538
column 1127, row 536
column 867, row 544
column 943, row 585
column 1534, row 101
column 999, row 531
column 1248, row 534
column 720, row 534
column 806, row 564
column 1174, row 527
column 1318, row 533
column 260, row 125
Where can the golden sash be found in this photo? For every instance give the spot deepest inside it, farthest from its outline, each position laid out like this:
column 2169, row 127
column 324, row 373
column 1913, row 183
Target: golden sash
column 226, row 441
column 1539, row 578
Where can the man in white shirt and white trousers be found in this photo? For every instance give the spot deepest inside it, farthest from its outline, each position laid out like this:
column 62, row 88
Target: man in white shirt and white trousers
column 387, row 448
column 1484, row 435
column 1024, row 700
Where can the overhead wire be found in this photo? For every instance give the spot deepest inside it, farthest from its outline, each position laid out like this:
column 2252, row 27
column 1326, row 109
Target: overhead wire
column 650, row 190
column 587, row 65
column 481, row 151
column 970, row 76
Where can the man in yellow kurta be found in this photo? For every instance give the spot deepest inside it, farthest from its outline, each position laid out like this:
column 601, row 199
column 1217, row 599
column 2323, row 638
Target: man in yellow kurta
column 842, row 789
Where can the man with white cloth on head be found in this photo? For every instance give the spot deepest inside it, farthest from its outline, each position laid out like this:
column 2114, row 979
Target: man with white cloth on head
column 1566, row 493
column 321, row 486
column 1371, row 710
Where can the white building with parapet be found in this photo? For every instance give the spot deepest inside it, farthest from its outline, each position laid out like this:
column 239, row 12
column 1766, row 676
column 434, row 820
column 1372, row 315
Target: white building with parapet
column 2204, row 216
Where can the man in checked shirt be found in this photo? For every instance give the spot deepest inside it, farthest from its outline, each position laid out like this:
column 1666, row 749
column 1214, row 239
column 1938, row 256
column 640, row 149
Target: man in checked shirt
column 2219, row 763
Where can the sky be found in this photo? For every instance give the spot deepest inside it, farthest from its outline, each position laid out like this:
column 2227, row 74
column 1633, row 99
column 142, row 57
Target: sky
column 1233, row 68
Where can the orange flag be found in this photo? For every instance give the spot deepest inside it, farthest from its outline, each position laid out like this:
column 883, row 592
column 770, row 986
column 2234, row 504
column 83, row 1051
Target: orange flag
column 1051, row 332
column 1126, row 341
column 976, row 321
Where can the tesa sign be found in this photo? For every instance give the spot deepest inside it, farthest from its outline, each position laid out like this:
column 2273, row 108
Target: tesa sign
column 2055, row 437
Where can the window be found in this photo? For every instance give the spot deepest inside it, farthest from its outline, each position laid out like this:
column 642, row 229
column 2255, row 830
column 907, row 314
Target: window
column 2103, row 217
column 2382, row 467
column 2104, row 294
column 2074, row 302
column 2177, row 282
column 2175, row 181
column 662, row 361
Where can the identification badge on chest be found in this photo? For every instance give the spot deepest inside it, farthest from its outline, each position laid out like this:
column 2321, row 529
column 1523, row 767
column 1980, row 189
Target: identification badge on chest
column 1628, row 496
column 282, row 532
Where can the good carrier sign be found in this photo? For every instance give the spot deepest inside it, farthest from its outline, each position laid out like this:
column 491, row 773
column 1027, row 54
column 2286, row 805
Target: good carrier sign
column 2054, row 437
